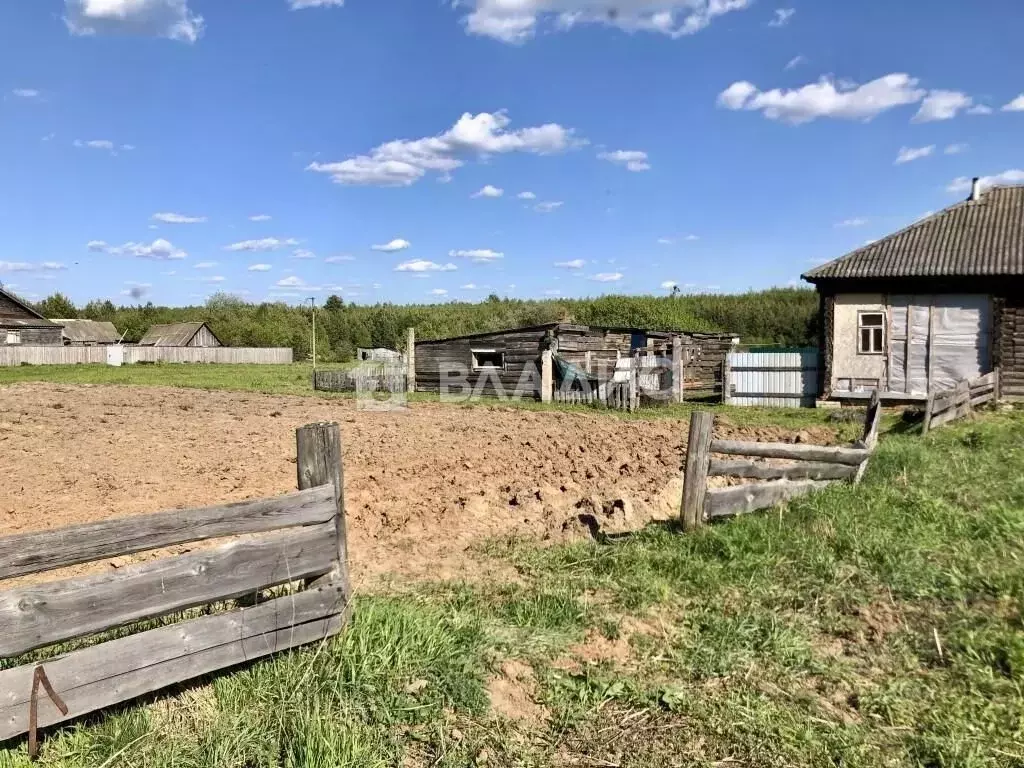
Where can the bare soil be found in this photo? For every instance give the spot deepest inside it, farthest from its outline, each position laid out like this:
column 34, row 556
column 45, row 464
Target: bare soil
column 422, row 485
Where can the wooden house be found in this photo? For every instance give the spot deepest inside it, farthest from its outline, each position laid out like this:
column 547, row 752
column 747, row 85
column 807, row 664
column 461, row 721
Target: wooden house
column 20, row 324
column 933, row 304
column 502, row 357
column 88, row 333
column 180, row 335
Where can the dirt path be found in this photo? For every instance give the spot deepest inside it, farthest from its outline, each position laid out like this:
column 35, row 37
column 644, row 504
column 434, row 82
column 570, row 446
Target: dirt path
column 421, row 485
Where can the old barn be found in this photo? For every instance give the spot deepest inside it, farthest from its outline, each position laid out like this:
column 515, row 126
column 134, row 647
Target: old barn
column 931, row 305
column 88, row 333
column 22, row 325
column 502, row 357
column 180, row 335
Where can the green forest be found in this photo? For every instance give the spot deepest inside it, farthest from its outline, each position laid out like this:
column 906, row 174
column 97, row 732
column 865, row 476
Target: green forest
column 782, row 316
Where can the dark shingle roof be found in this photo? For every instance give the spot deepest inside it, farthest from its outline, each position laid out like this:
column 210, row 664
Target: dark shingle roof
column 985, row 237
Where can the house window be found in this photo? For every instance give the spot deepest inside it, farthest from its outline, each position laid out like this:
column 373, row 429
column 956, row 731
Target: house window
column 871, row 330
column 488, row 358
column 14, row 337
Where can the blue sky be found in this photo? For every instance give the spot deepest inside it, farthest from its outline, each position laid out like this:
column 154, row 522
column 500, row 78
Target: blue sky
column 420, row 150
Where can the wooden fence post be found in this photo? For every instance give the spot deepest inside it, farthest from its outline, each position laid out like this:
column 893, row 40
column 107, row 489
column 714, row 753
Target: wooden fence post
column 726, row 380
column 318, row 452
column 695, row 477
column 410, row 361
column 998, row 391
column 634, row 383
column 547, row 377
column 677, row 369
column 929, row 406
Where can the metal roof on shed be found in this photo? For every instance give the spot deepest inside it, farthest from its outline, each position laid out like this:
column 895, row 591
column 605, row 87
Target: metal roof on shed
column 89, row 331
column 983, row 237
column 171, row 335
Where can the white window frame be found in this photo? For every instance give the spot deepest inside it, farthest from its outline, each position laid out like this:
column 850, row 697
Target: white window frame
column 476, row 363
column 13, row 337
column 862, row 326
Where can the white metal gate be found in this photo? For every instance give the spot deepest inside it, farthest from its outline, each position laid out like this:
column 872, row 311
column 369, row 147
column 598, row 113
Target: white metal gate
column 772, row 379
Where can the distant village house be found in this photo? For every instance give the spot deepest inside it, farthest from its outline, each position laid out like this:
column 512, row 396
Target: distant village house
column 88, row 333
column 180, row 335
column 20, row 324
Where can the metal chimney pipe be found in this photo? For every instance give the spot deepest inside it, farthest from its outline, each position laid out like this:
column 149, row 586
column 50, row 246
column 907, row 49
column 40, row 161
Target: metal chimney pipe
column 975, row 190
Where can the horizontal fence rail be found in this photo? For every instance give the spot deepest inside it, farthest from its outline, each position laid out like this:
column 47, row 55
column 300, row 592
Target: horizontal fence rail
column 809, row 468
column 56, row 355
column 952, row 404
column 287, row 540
column 374, row 376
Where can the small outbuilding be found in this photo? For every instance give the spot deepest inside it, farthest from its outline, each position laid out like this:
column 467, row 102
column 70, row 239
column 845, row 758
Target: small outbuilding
column 930, row 305
column 22, row 325
column 180, row 335
column 88, row 333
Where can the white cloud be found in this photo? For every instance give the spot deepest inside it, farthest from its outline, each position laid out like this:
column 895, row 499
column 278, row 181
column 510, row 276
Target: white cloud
column 263, row 244
column 607, row 277
column 479, row 255
column 963, row 183
column 127, row 147
column 260, row 267
column 205, row 265
column 469, row 287
column 631, row 159
column 956, row 149
column 826, row 98
column 526, row 196
column 515, row 21
column 213, row 279
column 260, row 217
column 26, row 93
column 394, row 246
column 302, row 253
column 574, row 264
column 795, row 62
column 298, row 5
column 549, row 207
column 909, row 154
column 106, row 144
column 163, row 18
column 24, row 266
column 338, row 259
column 158, row 250
column 666, row 241
column 489, row 191
column 552, row 292
column 855, row 222
column 402, row 163
column 292, row 281
column 1017, row 105
column 782, row 17
column 942, row 105
column 439, row 292
column 422, row 265
column 177, row 218
column 668, row 285
column 691, row 238
column 980, row 109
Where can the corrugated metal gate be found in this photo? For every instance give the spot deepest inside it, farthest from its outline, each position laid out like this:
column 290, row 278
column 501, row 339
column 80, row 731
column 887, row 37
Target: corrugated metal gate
column 772, row 379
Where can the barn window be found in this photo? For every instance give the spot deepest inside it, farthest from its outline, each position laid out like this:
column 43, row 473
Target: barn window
column 14, row 337
column 871, row 327
column 488, row 358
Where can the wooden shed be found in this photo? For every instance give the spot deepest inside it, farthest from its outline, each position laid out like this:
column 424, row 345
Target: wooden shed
column 931, row 305
column 22, row 325
column 180, row 335
column 88, row 333
column 506, row 358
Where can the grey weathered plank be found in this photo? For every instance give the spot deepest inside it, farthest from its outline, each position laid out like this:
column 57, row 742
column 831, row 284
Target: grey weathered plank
column 737, row 500
column 804, row 470
column 318, row 462
column 109, row 673
column 35, row 552
column 39, row 615
column 828, row 454
column 695, row 477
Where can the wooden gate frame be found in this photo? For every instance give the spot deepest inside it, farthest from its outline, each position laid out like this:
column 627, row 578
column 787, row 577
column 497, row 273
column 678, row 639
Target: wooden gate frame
column 303, row 540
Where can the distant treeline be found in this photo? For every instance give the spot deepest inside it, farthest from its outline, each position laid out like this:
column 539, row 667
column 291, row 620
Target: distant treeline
column 785, row 316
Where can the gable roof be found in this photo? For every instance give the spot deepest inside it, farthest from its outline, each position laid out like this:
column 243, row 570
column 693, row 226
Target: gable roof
column 172, row 334
column 972, row 238
column 89, row 331
column 23, row 316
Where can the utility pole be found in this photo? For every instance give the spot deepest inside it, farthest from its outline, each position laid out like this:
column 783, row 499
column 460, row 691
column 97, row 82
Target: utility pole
column 312, row 309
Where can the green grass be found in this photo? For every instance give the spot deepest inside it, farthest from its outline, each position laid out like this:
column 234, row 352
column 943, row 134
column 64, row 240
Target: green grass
column 876, row 625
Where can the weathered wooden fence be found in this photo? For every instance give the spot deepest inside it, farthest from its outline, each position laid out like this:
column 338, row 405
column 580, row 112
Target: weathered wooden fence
column 809, row 468
column 302, row 538
column 952, row 404
column 618, row 395
column 365, row 377
column 771, row 379
column 55, row 355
